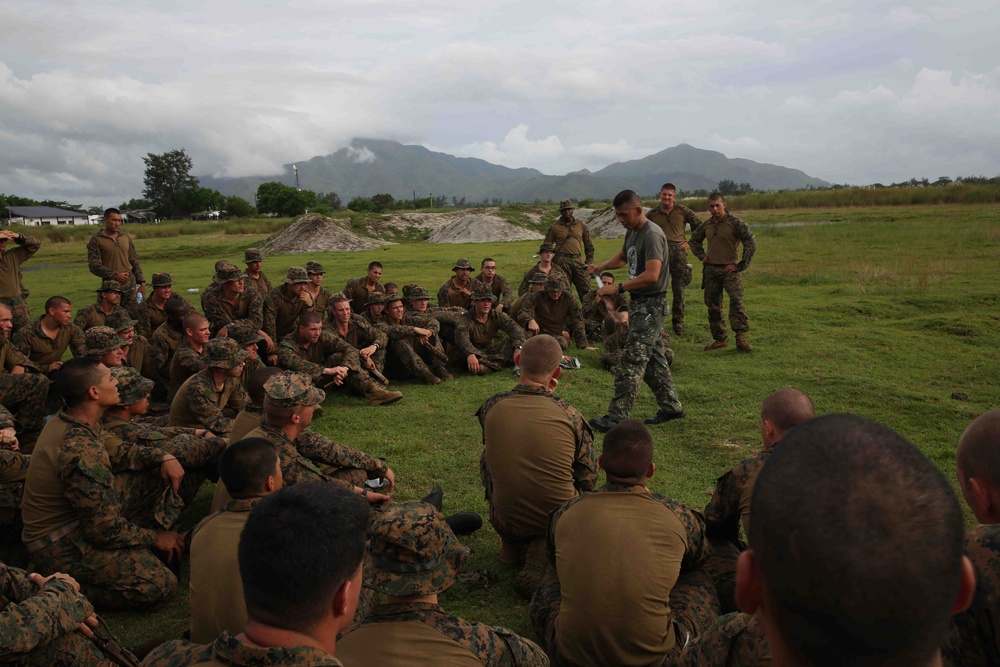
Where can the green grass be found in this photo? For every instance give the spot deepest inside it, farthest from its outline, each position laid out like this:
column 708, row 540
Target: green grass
column 884, row 312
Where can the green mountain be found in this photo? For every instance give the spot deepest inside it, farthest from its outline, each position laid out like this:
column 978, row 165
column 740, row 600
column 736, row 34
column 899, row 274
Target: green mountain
column 372, row 166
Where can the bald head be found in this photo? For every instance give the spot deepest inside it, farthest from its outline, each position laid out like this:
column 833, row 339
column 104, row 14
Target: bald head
column 979, row 450
column 540, row 357
column 782, row 411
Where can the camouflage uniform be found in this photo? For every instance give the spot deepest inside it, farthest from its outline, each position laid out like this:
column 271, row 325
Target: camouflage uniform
column 571, row 238
column 107, row 256
column 412, row 552
column 92, row 315
column 228, row 650
column 595, row 313
column 281, row 314
column 100, row 548
column 22, row 394
column 327, row 352
column 357, row 291
column 13, row 469
column 261, row 284
column 973, row 637
column 407, row 357
column 33, row 343
column 186, row 362
column 500, row 288
column 361, row 333
column 715, row 278
column 161, row 352
column 38, row 626
column 553, row 316
column 150, row 316
column 199, row 404
column 480, row 339
column 10, row 278
column 554, row 272
column 680, row 273
column 450, row 294
column 734, row 640
column 221, row 312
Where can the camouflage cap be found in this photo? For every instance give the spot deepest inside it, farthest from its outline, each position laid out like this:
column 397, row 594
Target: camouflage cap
column 99, row 341
column 296, row 274
column 314, row 267
column 553, row 284
column 565, row 204
column 224, row 353
column 291, row 389
column 483, row 294
column 111, row 286
column 162, row 280
column 547, row 247
column 119, row 320
column 462, row 263
column 412, row 551
column 227, row 272
column 539, row 278
column 244, row 333
column 375, row 297
column 132, row 387
column 253, row 255
column 418, row 293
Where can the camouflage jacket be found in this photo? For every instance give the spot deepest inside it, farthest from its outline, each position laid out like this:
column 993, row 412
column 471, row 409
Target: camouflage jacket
column 11, row 357
column 228, row 650
column 500, row 288
column 303, row 460
column 206, row 403
column 491, row 645
column 553, row 317
column 32, row 342
column 106, row 256
column 554, row 272
column 321, row 301
column 311, row 360
column 281, row 314
column 10, row 265
column 450, row 294
column 734, row 640
column 220, row 312
column 742, row 233
column 360, row 333
column 92, row 316
column 186, row 362
column 674, row 222
column 594, row 307
column 723, row 511
column 357, row 292
column 262, row 284
column 973, row 637
column 406, row 325
column 473, row 336
column 31, row 616
column 150, row 317
column 572, row 237
column 162, row 346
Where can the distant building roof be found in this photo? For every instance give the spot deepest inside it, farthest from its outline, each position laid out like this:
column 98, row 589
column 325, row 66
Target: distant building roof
column 43, row 212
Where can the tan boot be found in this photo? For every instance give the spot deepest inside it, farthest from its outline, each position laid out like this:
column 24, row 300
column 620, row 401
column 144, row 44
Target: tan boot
column 429, row 378
column 741, row 343
column 442, row 372
column 536, row 563
column 378, row 395
column 717, row 345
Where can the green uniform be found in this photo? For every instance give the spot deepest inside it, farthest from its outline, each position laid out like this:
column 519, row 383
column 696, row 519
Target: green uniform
column 11, row 288
column 107, row 256
column 199, row 404
column 571, row 239
column 43, row 351
column 724, row 236
column 23, row 394
column 673, row 224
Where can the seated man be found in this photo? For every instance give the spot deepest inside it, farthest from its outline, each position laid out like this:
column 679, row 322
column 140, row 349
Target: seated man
column 445, row 318
column 255, row 276
column 358, row 332
column 535, row 284
column 496, row 283
column 74, row 521
column 538, row 454
column 477, row 331
column 974, row 635
column 329, row 360
column 359, row 289
column 249, row 340
column 231, row 301
column 23, row 387
column 655, row 598
column 320, row 296
column 151, row 313
column 45, row 341
column 855, row 549
column 205, row 397
column 413, row 557
column 13, row 470
column 414, row 350
column 164, row 343
column 597, row 319
column 729, row 506
column 374, row 305
column 189, row 357
column 109, row 298
column 43, row 621
column 546, row 267
column 457, row 291
column 286, row 303
column 103, row 344
column 300, row 557
column 250, row 469
column 555, row 313
column 135, row 348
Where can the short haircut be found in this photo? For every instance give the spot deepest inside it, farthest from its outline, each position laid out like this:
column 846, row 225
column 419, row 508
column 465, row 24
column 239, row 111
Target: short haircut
column 668, row 186
column 175, row 308
column 245, row 466
column 298, row 547
column 858, row 537
column 540, row 356
column 309, row 317
column 255, row 383
column 787, row 408
column 716, row 196
column 75, row 377
column 56, row 302
column 608, row 274
column 193, row 320
column 339, row 297
column 626, row 198
column 488, row 259
column 979, row 449
column 372, row 265
column 390, row 286
column 628, row 450
column 109, row 211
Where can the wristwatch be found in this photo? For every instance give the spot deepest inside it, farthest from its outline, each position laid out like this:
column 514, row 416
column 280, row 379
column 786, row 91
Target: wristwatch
column 621, row 288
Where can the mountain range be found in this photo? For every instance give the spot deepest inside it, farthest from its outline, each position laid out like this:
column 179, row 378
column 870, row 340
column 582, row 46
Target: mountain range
column 372, row 166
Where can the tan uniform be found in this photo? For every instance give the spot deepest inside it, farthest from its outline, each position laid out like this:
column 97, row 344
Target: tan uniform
column 249, row 419
column 199, row 404
column 262, row 285
column 35, row 344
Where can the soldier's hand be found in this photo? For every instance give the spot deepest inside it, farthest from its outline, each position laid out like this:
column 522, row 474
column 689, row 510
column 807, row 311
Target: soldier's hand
column 683, row 245
column 8, row 438
column 730, row 268
column 122, row 277
column 369, row 363
column 533, row 326
column 608, row 290
column 423, row 333
column 267, row 341
column 172, row 471
column 307, row 298
column 272, row 360
column 371, row 496
column 473, row 363
column 86, row 628
column 367, row 352
column 8, row 234
column 223, row 332
column 704, row 260
column 17, row 370
column 170, row 543
column 591, row 268
column 591, row 348
column 55, row 365
column 40, row 581
column 390, row 478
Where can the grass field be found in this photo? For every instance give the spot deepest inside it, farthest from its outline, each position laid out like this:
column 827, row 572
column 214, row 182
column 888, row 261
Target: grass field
column 883, row 312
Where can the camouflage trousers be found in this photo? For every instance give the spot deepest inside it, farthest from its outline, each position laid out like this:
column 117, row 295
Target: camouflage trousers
column 734, row 639
column 356, row 382
column 69, row 650
column 111, row 578
column 715, row 279
column 721, row 567
column 576, row 272
column 500, row 354
column 24, row 395
column 20, row 311
column 680, row 277
column 409, row 358
column 693, row 605
column 643, row 359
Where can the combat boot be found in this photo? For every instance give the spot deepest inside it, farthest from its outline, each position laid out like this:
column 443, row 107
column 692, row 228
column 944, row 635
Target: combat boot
column 428, row 378
column 378, row 395
column 536, row 563
column 717, row 345
column 679, row 328
column 442, row 372
column 741, row 343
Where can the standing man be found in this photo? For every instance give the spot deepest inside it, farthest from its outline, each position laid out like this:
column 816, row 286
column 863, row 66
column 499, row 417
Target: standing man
column 22, row 385
column 498, row 284
column 111, row 256
column 255, row 276
column 721, row 271
column 672, row 217
column 571, row 239
column 644, row 355
column 10, row 273
column 358, row 289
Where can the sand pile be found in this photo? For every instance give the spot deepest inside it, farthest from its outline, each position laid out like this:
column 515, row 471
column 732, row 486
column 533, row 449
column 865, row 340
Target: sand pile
column 318, row 233
column 481, row 228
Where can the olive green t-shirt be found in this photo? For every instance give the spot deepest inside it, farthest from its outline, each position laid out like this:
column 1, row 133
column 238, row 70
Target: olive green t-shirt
column 645, row 243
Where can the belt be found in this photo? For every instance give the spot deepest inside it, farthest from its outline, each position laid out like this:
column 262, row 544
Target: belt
column 567, row 254
column 52, row 538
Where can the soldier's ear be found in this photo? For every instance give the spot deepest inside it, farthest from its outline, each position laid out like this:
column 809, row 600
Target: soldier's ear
column 650, row 470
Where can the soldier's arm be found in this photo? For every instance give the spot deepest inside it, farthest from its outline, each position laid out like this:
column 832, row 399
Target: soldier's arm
column 15, row 357
column 522, row 287
column 373, row 335
column 94, row 260
column 255, row 310
column 443, row 298
column 749, row 245
column 13, row 466
column 237, row 400
column 142, row 326
column 527, row 310
column 577, row 329
column 694, row 525
column 131, row 454
column 316, row 447
column 269, row 325
column 690, row 219
column 36, row 616
column 333, row 344
column 133, row 259
column 463, row 340
column 215, row 312
column 585, row 458
column 289, row 359
column 29, row 245
column 696, row 241
column 201, row 400
column 506, row 293
column 588, row 245
column 722, row 513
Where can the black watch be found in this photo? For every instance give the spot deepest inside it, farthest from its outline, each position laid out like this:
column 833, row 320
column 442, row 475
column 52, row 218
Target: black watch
column 621, row 288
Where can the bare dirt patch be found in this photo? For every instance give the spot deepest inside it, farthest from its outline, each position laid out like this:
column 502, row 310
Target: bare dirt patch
column 481, row 228
column 312, row 233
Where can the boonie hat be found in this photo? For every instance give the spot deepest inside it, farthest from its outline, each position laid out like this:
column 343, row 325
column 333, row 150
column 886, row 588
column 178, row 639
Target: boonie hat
column 253, row 255
column 483, row 295
column 119, row 321
column 244, row 333
column 291, row 389
column 224, row 353
column 539, row 278
column 314, row 267
column 162, row 280
column 462, row 263
column 227, row 272
column 296, row 274
column 375, row 297
column 132, row 387
column 99, row 341
column 565, row 204
column 111, row 286
column 547, row 247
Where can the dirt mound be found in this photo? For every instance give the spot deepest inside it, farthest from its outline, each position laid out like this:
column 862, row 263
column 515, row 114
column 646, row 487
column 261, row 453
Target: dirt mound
column 604, row 225
column 317, row 233
column 481, row 228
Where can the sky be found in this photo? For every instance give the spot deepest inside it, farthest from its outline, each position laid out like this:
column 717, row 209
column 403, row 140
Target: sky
column 850, row 92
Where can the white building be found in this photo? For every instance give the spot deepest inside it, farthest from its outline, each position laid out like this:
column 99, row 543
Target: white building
column 45, row 215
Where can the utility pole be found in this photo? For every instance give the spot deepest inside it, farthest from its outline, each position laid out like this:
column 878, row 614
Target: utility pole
column 295, row 168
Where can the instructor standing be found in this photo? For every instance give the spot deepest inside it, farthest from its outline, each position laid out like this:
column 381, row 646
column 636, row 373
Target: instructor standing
column 643, row 355
column 111, row 256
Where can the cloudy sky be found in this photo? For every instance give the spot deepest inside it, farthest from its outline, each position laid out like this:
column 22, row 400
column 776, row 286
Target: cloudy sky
column 851, row 92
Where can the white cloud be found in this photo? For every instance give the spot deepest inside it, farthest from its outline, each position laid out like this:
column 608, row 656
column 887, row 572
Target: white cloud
column 942, row 91
column 798, row 102
column 877, row 95
column 361, row 155
column 515, row 150
column 823, row 22
column 737, row 143
column 906, row 17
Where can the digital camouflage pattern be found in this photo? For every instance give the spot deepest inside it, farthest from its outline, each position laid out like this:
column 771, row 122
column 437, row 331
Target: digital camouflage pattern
column 715, row 278
column 361, row 333
column 973, row 637
column 22, row 394
column 198, row 404
column 734, row 640
column 529, row 275
column 228, row 650
column 722, row 513
column 99, row 341
column 500, row 288
column 571, row 239
column 327, row 352
column 248, row 307
column 224, row 353
column 643, row 359
column 32, row 342
column 252, row 255
column 553, row 316
column 595, row 313
column 93, row 316
column 290, row 390
column 38, row 626
column 281, row 312
column 107, row 256
column 12, row 292
column 480, row 339
column 186, row 362
column 162, row 346
column 357, row 291
column 407, row 356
